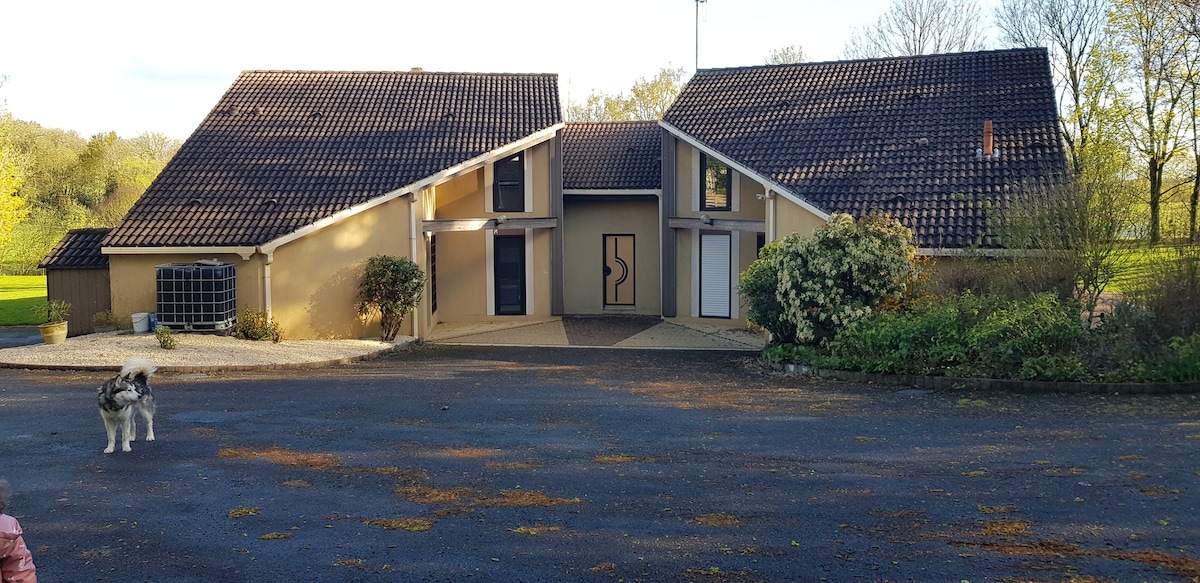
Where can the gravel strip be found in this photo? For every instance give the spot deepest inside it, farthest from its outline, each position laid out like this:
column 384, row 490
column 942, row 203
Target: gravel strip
column 193, row 352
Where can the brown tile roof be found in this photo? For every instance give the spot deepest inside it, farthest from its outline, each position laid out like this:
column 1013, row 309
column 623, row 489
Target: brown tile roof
column 612, row 156
column 897, row 134
column 78, row 249
column 285, row 149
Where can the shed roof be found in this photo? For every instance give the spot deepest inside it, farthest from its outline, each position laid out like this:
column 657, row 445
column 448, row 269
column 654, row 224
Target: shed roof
column 897, row 135
column 78, row 249
column 285, row 149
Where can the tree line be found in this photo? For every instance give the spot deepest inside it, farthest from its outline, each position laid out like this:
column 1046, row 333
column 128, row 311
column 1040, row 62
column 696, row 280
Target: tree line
column 52, row 180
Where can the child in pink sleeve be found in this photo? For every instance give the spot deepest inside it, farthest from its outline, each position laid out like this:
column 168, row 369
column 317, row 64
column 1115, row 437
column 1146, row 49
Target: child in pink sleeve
column 16, row 562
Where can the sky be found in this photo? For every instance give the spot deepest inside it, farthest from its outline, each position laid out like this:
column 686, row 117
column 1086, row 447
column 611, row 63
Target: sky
column 134, row 66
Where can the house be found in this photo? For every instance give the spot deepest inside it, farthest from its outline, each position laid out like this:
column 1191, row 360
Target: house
column 295, row 178
column 753, row 154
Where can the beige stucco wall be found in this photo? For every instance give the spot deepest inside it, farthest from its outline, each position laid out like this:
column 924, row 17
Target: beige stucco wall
column 133, row 280
column 585, row 222
column 793, row 218
column 314, row 279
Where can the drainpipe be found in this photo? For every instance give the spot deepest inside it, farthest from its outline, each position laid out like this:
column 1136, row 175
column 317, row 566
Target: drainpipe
column 267, row 283
column 412, row 236
column 772, row 220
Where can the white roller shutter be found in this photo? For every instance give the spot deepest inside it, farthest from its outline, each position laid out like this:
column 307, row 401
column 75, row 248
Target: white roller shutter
column 714, row 275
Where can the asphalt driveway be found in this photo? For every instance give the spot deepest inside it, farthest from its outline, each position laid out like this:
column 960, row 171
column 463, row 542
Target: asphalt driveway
column 553, row 464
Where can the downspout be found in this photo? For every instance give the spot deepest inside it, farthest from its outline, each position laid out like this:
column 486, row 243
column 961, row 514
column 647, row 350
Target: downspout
column 267, row 283
column 772, row 218
column 412, row 237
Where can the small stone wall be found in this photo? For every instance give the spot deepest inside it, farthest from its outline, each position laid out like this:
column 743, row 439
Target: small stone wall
column 1041, row 387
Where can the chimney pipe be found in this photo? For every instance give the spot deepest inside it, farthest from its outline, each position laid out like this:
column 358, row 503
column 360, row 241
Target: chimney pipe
column 987, row 138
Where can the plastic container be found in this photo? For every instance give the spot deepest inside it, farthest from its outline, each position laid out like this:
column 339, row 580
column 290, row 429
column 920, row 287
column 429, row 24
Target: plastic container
column 141, row 323
column 153, row 321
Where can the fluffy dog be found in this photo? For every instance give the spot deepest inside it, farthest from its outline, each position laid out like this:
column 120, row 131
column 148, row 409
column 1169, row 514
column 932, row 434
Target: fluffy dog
column 121, row 397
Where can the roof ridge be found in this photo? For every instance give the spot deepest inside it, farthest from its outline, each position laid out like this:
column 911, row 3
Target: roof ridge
column 615, row 122
column 877, row 59
column 398, row 72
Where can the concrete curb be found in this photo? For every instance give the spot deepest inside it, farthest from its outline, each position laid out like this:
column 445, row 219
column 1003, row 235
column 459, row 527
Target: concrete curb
column 1012, row 386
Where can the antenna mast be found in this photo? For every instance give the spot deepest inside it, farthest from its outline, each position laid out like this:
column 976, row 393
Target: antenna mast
column 698, row 3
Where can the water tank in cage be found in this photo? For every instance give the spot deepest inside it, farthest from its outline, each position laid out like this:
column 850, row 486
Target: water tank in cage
column 200, row 296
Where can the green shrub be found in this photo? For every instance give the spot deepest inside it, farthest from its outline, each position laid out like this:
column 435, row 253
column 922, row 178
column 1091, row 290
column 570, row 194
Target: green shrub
column 166, row 338
column 53, row 311
column 1022, row 329
column 256, row 325
column 1116, row 348
column 927, row 339
column 841, row 273
column 1053, row 367
column 1178, row 361
column 1170, row 288
column 757, row 286
column 104, row 318
column 390, row 287
column 794, row 353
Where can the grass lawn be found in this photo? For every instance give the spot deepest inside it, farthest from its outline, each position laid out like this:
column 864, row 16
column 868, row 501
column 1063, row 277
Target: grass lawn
column 18, row 294
column 1138, row 265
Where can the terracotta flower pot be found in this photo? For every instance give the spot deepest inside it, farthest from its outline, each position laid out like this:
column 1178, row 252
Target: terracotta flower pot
column 54, row 333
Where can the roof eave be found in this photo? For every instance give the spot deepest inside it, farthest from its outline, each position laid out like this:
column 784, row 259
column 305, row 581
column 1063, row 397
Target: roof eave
column 608, row 191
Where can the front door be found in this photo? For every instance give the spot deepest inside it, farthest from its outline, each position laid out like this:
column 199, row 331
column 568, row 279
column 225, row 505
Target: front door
column 509, row 253
column 618, row 270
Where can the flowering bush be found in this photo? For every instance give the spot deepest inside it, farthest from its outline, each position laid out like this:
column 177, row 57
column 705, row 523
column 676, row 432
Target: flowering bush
column 841, row 273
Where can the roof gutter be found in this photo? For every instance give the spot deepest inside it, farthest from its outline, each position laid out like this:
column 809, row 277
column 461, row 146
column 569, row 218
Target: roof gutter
column 413, row 188
column 244, row 251
column 766, row 182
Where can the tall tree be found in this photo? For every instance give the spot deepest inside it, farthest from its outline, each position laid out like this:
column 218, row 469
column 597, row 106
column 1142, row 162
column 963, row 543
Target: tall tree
column 12, row 205
column 920, row 27
column 1075, row 34
column 1189, row 19
column 648, row 99
column 789, row 55
column 1149, row 31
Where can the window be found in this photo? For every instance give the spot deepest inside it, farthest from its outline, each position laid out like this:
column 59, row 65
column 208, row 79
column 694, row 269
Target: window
column 717, row 180
column 508, row 184
column 433, row 272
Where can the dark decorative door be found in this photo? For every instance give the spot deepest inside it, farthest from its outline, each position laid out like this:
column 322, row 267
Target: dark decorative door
column 618, row 270
column 509, row 256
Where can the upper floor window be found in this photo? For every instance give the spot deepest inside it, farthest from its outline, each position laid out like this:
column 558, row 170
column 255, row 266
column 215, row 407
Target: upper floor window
column 508, row 184
column 717, row 182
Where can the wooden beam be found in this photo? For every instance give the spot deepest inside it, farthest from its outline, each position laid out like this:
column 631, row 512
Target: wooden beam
column 749, row 226
column 438, row 226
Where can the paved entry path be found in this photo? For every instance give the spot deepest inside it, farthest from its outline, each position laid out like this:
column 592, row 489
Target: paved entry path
column 511, row 464
column 603, row 331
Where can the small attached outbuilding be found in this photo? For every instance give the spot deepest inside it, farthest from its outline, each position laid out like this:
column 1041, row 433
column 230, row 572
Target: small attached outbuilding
column 77, row 272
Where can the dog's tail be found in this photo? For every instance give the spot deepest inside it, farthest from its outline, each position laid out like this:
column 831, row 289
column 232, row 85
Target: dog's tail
column 138, row 367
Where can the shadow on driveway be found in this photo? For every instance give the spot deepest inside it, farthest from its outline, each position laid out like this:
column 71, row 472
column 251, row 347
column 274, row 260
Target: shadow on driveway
column 452, row 463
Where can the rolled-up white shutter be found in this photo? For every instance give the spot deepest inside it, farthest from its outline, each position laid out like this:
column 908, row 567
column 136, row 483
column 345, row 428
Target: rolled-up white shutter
column 714, row 275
